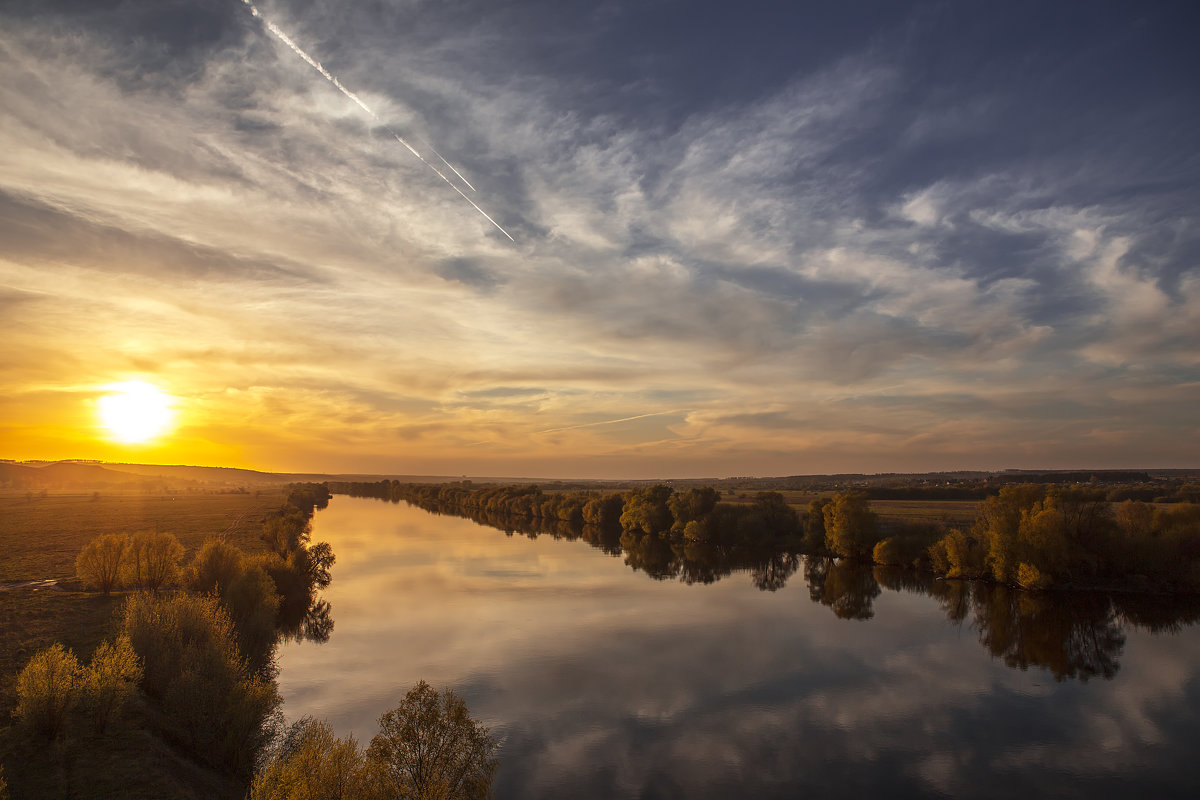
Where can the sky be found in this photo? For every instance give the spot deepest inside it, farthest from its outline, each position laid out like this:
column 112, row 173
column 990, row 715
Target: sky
column 753, row 238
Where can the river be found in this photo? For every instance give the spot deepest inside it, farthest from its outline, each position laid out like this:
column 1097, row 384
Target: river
column 791, row 678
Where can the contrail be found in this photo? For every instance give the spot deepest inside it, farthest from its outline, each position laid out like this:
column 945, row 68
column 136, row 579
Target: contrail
column 327, row 75
column 608, row 422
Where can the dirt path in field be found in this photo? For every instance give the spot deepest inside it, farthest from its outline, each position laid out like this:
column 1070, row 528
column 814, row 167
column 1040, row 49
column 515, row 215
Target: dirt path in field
column 48, row 583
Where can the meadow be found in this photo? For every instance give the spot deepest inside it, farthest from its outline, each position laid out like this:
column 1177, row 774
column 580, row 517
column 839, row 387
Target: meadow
column 41, row 534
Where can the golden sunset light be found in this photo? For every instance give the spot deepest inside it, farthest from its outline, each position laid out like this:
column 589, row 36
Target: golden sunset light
column 723, row 399
column 135, row 412
column 712, row 285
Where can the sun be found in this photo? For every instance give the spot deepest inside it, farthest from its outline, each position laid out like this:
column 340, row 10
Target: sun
column 135, row 412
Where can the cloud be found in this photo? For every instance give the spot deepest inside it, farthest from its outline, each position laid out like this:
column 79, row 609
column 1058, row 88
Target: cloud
column 866, row 221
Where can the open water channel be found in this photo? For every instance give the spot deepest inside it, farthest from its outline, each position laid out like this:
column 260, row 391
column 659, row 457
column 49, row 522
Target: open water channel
column 784, row 680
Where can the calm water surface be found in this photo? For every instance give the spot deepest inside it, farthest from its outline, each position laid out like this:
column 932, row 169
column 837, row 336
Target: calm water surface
column 605, row 682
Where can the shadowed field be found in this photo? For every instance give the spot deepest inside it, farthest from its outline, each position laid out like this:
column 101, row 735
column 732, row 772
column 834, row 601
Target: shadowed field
column 952, row 513
column 40, row 536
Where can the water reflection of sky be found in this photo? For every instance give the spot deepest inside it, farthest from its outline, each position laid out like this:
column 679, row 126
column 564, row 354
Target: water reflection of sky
column 604, row 682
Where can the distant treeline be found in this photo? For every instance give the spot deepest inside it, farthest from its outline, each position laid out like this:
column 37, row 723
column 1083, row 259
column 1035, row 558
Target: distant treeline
column 694, row 515
column 1033, row 535
column 1117, row 485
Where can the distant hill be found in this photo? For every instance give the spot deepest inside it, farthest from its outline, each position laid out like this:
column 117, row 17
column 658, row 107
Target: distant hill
column 93, row 475
column 62, row 474
column 90, row 475
column 225, row 476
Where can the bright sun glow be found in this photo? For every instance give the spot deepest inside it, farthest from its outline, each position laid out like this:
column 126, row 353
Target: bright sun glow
column 135, row 411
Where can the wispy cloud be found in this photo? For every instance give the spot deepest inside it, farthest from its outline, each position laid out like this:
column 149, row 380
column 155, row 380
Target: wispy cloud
column 856, row 237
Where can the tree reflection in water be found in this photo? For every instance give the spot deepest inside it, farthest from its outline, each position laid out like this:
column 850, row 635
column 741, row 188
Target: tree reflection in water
column 1074, row 635
column 306, row 622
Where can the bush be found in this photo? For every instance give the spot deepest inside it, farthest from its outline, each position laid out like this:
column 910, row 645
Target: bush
column 887, row 553
column 193, row 669
column 311, row 762
column 213, row 568
column 1030, row 577
column 957, row 555
column 109, row 682
column 152, row 560
column 100, row 563
column 46, row 690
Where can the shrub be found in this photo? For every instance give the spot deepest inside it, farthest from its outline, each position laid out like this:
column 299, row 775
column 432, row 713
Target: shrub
column 887, row 552
column 99, row 564
column 46, row 690
column 311, row 762
column 192, row 667
column 1030, row 577
column 957, row 555
column 152, row 560
column 109, row 681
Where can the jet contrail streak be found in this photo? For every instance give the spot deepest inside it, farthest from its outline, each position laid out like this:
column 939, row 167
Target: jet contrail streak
column 451, row 166
column 312, row 62
column 609, row 421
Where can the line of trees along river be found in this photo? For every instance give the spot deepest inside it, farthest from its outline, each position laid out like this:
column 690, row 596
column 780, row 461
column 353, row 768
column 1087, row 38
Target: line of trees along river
column 1074, row 634
column 1033, row 535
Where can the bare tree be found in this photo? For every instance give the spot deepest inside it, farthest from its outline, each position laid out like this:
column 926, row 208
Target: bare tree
column 99, row 563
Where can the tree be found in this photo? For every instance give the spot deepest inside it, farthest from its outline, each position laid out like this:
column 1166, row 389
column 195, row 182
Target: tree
column 46, row 690
column 310, row 762
column 286, row 531
column 252, row 605
column 691, row 506
column 213, row 568
column 192, row 668
column 647, row 510
column 605, row 510
column 851, row 528
column 429, row 748
column 814, row 526
column 152, row 561
column 999, row 524
column 99, row 563
column 109, row 681
column 777, row 518
column 957, row 555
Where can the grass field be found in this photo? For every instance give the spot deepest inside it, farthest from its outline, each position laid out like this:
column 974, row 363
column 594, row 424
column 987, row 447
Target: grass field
column 41, row 535
column 952, row 513
column 39, row 539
